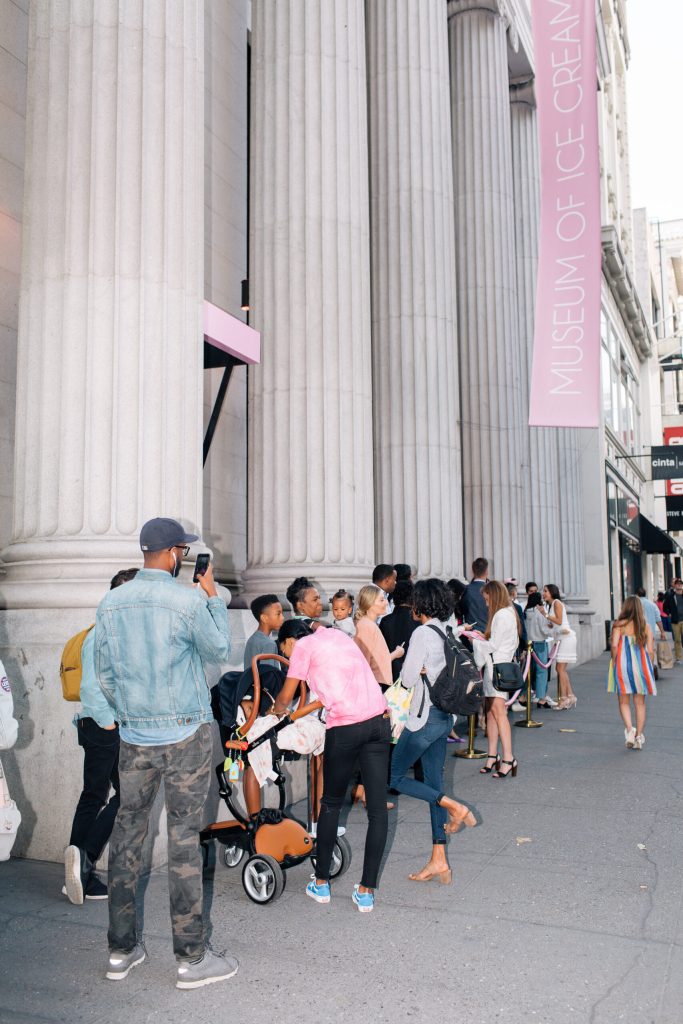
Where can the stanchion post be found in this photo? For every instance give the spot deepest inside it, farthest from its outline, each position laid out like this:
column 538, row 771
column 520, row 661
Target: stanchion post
column 470, row 753
column 527, row 722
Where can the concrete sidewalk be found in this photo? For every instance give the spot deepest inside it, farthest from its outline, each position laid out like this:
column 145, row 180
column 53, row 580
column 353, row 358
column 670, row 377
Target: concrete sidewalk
column 565, row 905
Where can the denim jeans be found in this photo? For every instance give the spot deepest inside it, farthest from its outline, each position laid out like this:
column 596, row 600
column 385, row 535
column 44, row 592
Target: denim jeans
column 95, row 812
column 185, row 769
column 429, row 743
column 541, row 652
column 366, row 743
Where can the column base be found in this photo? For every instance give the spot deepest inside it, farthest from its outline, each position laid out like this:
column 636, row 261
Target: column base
column 62, row 573
column 45, row 767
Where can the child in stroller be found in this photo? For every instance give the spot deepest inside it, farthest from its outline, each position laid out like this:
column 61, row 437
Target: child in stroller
column 234, row 707
column 273, row 840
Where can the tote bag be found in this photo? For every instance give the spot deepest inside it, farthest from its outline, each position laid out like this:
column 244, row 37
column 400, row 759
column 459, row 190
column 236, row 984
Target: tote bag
column 398, row 701
column 665, row 658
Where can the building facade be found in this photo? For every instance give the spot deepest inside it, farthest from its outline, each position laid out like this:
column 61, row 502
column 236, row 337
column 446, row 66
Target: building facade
column 371, row 168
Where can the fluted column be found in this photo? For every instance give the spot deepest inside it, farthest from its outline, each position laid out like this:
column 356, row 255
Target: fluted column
column 109, row 377
column 310, row 402
column 540, row 454
column 572, row 574
column 490, row 359
column 414, row 332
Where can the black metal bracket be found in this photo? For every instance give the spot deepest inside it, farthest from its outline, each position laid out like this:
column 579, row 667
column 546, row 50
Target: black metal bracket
column 218, row 405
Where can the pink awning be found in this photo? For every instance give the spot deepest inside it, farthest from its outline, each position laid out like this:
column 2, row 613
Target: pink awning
column 229, row 334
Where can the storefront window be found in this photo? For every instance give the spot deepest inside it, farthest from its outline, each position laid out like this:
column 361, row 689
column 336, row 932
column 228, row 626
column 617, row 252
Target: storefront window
column 612, row 502
column 620, row 400
column 606, row 380
column 615, row 400
column 624, row 548
column 623, row 411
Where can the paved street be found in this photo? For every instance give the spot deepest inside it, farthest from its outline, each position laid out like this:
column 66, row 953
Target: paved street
column 565, row 906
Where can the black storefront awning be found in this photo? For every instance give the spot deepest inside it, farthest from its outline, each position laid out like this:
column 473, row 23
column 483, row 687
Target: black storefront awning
column 654, row 541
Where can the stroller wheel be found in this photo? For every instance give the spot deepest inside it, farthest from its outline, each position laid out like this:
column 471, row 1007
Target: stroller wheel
column 263, row 878
column 341, row 857
column 232, row 856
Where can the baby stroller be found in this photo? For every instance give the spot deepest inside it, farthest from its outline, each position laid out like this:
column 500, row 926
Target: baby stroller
column 272, row 840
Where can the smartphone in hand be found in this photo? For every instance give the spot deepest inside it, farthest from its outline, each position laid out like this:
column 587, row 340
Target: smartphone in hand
column 200, row 566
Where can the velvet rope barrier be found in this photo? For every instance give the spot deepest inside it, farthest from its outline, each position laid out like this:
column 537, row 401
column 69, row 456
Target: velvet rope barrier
column 527, row 722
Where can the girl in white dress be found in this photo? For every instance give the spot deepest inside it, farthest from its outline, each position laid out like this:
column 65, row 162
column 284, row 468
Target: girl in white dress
column 566, row 654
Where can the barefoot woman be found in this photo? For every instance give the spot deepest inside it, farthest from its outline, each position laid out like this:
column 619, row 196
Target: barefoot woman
column 426, row 732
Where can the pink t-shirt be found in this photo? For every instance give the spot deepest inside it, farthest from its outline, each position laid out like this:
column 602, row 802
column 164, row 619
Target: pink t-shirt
column 339, row 675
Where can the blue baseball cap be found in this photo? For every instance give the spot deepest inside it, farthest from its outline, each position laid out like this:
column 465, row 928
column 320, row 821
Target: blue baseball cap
column 160, row 533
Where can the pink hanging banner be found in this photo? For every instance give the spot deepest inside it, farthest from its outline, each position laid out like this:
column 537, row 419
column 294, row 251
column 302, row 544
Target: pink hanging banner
column 565, row 376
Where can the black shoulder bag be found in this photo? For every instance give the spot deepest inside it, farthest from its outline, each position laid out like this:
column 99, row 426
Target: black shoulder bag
column 458, row 689
column 507, row 677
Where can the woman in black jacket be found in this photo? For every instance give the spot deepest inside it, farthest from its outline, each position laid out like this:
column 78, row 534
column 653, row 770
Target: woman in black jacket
column 398, row 627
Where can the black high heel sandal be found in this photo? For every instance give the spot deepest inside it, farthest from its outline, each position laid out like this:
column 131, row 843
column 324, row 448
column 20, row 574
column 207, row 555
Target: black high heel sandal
column 513, row 770
column 496, row 764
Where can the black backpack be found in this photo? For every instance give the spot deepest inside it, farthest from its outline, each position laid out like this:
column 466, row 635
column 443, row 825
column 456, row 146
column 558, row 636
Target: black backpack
column 232, row 688
column 458, row 689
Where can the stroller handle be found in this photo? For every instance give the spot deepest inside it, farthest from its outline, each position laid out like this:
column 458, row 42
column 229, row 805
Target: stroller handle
column 307, row 709
column 244, row 729
column 270, row 733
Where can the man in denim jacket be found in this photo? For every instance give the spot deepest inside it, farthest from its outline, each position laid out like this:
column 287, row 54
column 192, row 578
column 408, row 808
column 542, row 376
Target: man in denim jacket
column 151, row 638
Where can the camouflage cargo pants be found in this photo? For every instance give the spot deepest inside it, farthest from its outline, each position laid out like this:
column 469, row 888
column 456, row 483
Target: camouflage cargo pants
column 185, row 769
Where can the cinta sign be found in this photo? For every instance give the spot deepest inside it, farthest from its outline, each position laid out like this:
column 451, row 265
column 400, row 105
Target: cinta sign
column 667, row 462
column 565, row 376
column 673, row 438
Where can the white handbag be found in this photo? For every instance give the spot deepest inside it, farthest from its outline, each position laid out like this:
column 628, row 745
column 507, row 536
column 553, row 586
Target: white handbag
column 10, row 818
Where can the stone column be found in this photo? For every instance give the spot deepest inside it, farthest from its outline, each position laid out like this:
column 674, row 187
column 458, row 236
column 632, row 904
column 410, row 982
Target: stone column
column 572, row 569
column 540, row 454
column 310, row 402
column 490, row 360
column 109, row 378
column 414, row 334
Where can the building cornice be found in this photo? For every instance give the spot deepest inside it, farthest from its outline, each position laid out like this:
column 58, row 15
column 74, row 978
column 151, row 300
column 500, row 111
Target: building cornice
column 622, row 286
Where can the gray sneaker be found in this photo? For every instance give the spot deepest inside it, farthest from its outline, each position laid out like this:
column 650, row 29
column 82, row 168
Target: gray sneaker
column 120, row 965
column 212, row 967
column 77, row 871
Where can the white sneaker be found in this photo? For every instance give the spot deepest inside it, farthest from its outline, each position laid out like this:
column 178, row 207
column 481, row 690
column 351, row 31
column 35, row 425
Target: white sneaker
column 341, row 831
column 630, row 737
column 639, row 742
column 518, row 707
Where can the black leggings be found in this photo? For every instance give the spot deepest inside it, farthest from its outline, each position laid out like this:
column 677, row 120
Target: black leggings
column 96, row 811
column 368, row 744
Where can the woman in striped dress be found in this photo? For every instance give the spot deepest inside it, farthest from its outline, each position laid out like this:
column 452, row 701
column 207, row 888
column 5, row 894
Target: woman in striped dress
column 630, row 671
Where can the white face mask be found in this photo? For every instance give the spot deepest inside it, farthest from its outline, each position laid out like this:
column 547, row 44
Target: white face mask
column 176, row 566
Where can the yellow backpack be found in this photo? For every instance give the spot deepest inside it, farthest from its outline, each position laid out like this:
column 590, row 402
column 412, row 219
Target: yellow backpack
column 71, row 668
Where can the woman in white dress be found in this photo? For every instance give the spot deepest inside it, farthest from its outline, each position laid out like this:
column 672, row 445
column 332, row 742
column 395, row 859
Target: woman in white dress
column 500, row 645
column 566, row 654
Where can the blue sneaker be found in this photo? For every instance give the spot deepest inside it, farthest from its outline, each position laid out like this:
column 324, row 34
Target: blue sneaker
column 319, row 893
column 365, row 901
